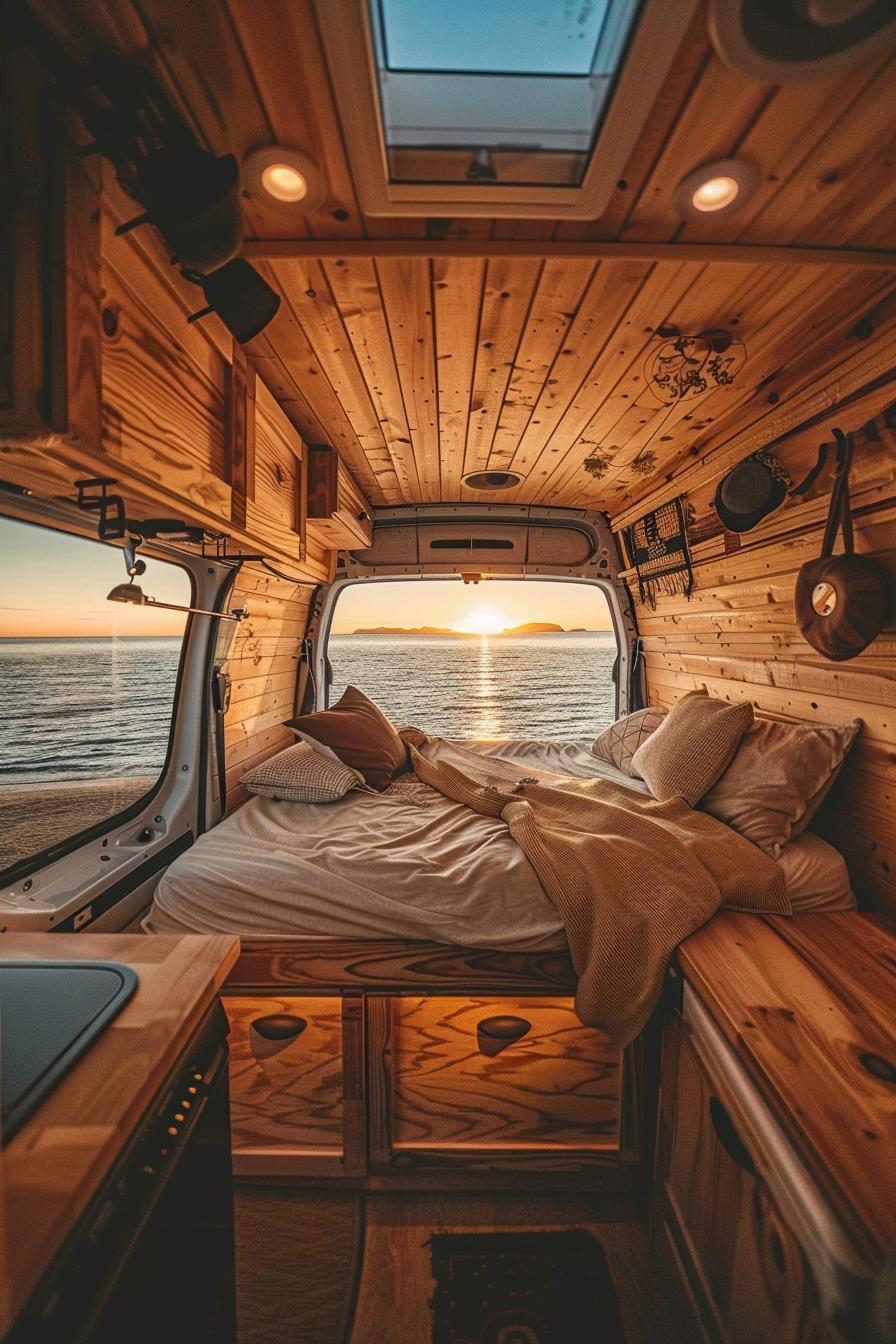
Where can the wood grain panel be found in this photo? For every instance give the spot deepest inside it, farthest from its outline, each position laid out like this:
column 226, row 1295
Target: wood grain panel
column 557, row 1087
column 752, row 1276
column 801, row 1011
column 286, row 1095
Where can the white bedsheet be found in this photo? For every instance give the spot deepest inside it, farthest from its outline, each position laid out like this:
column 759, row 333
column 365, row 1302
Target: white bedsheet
column 410, row 864
column 407, row 864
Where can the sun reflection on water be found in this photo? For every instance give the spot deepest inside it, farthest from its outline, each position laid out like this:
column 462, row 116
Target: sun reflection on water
column 489, row 719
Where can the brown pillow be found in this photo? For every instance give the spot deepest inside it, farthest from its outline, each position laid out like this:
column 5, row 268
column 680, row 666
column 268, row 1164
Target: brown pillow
column 618, row 743
column 692, row 746
column 359, row 733
column 778, row 778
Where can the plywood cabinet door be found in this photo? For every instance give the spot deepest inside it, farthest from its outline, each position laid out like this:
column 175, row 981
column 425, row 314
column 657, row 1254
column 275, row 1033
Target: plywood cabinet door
column 493, row 1083
column 747, row 1270
column 286, row 1084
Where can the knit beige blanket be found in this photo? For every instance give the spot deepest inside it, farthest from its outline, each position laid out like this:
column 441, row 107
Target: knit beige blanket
column 630, row 877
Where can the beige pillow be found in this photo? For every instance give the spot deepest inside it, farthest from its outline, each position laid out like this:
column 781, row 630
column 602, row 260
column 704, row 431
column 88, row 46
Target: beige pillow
column 302, row 775
column 618, row 743
column 778, row 778
column 692, row 746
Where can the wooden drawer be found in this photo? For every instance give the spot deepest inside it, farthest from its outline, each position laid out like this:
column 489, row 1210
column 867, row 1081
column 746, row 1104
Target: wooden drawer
column 452, row 1081
column 286, row 1083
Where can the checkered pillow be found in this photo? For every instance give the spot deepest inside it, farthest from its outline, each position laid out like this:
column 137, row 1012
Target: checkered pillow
column 302, row 775
column 618, row 743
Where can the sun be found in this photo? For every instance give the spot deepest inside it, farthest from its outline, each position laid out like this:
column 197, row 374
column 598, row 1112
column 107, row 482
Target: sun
column 484, row 620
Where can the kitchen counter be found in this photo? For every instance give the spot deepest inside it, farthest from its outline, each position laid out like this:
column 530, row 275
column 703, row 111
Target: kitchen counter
column 58, row 1160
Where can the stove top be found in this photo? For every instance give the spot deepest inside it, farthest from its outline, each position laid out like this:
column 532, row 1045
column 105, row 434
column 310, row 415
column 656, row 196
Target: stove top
column 51, row 1012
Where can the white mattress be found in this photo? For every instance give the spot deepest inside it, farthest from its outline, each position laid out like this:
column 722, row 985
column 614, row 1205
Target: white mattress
column 407, row 864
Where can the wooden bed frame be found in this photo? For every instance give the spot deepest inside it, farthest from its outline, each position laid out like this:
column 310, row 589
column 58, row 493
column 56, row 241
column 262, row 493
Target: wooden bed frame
column 362, row 1064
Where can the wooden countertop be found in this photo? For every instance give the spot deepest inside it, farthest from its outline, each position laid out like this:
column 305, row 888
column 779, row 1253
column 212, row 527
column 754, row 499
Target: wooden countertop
column 54, row 1165
column 803, row 1001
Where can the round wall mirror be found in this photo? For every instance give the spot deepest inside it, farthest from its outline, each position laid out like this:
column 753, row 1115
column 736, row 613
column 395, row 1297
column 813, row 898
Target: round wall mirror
column 824, row 598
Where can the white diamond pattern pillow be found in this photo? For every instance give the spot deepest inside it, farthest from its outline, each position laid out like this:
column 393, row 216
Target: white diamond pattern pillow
column 618, row 743
column 302, row 775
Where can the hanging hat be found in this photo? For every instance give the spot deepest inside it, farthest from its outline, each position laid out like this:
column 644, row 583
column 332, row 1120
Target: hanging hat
column 750, row 491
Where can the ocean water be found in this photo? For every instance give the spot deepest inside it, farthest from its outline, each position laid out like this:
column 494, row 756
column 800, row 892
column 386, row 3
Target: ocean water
column 79, row 709
column 554, row 686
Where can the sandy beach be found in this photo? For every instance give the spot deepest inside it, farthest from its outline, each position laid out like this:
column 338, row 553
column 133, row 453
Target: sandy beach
column 34, row 816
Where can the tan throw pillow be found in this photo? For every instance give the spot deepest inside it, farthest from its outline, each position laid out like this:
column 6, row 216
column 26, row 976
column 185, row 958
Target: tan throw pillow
column 361, row 736
column 778, row 778
column 618, row 743
column 692, row 746
column 302, row 775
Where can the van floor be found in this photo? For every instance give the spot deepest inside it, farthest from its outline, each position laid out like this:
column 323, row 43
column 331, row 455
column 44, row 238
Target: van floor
column 322, row 1267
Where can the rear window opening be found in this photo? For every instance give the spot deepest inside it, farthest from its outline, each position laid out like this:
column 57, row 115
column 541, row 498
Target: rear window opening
column 501, row 659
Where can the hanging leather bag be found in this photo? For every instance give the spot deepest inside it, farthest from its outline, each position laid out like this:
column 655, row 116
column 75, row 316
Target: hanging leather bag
column 840, row 600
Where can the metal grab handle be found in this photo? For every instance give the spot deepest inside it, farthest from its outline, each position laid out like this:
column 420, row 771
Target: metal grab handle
column 729, row 1138
column 494, row 1034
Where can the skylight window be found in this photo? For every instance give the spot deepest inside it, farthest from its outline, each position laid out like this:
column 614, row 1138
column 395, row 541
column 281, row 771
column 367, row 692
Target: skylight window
column 496, row 91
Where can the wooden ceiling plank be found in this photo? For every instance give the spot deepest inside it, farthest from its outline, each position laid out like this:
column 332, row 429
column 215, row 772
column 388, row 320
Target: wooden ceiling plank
column 458, row 283
column 839, row 165
column 506, row 300
column 783, row 144
column 775, row 315
column 881, row 227
column 821, row 350
column 292, row 77
column 307, row 292
column 849, row 216
column 398, row 245
column 715, row 119
column 406, row 288
column 355, row 287
column 610, row 294
column 689, row 303
column 820, row 395
column 607, row 379
column 523, row 230
column 283, row 357
column 558, row 297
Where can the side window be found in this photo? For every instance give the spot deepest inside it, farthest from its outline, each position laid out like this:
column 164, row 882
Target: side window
column 88, row 685
column 501, row 659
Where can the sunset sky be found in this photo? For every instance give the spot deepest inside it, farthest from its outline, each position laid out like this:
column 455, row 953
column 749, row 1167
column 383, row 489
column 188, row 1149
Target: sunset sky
column 56, row 585
column 53, row 585
column 450, row 603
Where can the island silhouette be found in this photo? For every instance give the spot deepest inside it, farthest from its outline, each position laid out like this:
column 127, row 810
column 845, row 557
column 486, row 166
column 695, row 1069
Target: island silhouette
column 530, row 628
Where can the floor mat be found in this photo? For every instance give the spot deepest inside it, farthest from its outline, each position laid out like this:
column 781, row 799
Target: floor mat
column 523, row 1288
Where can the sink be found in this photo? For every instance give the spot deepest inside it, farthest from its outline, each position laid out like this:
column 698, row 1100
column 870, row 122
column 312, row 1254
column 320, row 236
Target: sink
column 51, row 1012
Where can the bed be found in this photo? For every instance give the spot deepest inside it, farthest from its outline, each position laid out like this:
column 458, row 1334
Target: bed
column 385, row 939
column 410, row 863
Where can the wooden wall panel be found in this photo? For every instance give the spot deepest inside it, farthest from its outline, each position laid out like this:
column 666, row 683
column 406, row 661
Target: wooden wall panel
column 738, row 637
column 262, row 661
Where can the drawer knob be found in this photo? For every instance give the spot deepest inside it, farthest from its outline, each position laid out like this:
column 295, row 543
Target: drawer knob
column 494, row 1034
column 269, row 1035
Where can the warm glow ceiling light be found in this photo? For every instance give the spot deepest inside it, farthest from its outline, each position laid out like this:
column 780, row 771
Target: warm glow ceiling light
column 715, row 189
column 285, row 177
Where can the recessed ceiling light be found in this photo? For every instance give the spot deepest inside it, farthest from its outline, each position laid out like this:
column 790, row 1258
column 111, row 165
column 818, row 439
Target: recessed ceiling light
column 492, row 480
column 715, row 189
column 282, row 176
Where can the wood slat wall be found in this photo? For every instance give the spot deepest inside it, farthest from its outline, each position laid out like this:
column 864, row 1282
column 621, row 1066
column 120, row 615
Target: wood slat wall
column 738, row 637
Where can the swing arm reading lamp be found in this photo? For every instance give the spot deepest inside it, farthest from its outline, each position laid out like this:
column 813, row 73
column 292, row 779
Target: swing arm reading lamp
column 132, row 592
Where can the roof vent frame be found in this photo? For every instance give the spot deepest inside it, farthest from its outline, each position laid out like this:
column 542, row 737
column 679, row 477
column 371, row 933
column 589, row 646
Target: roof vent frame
column 348, row 42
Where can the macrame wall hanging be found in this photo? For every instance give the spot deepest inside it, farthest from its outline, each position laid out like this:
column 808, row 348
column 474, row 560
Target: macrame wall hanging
column 657, row 546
